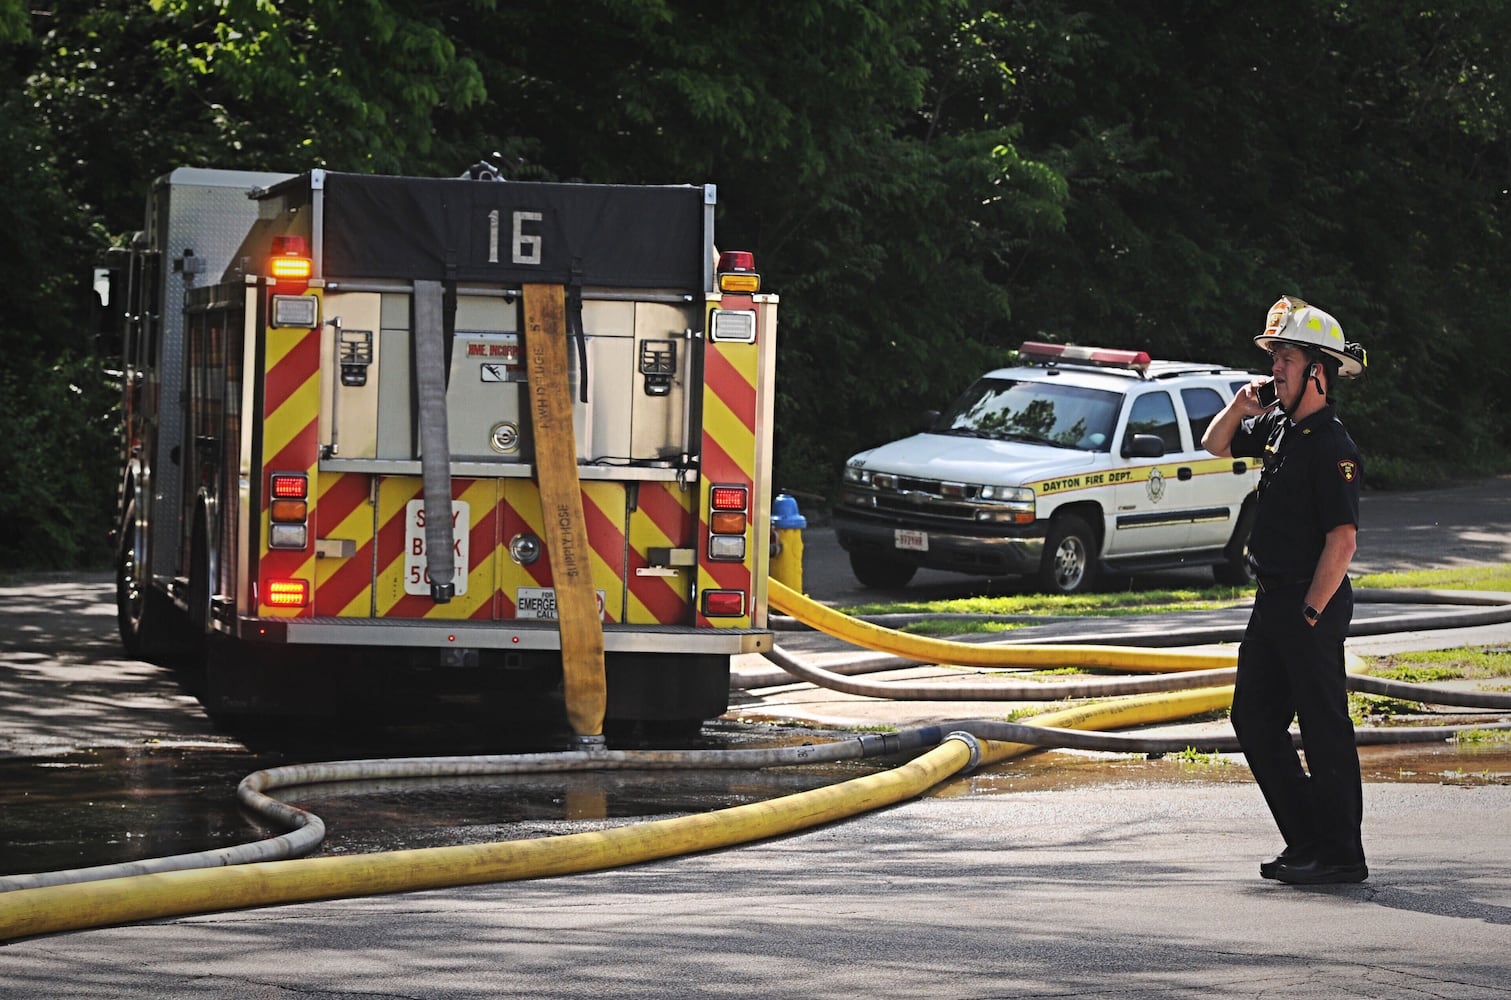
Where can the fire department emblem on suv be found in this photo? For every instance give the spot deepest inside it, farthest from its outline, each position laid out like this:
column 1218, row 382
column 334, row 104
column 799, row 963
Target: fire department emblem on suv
column 1156, row 485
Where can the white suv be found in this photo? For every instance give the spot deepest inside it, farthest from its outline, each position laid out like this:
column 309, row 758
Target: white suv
column 1079, row 462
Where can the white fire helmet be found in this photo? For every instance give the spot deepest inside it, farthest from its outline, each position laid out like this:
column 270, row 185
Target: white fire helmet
column 1292, row 321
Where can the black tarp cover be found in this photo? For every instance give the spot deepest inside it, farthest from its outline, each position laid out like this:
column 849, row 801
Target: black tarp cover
column 441, row 229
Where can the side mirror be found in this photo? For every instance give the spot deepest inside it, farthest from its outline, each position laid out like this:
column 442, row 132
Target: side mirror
column 1144, row 446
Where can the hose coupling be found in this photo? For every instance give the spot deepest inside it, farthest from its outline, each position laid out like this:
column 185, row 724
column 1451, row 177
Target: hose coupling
column 878, row 744
column 973, row 744
column 594, row 741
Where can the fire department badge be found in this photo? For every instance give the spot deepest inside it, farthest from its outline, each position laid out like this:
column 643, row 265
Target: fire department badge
column 1348, row 469
column 1156, row 485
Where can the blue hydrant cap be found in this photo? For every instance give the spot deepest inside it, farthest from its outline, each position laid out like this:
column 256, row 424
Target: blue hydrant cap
column 784, row 513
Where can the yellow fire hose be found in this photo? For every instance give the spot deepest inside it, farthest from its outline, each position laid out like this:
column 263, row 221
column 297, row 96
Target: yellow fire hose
column 930, row 650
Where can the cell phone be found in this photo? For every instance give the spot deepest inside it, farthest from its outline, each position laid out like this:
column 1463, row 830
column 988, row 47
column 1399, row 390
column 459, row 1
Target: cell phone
column 1265, row 393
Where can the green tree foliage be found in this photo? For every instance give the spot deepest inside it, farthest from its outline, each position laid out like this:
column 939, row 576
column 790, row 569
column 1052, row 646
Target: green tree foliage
column 350, row 83
column 56, row 435
column 14, row 26
column 925, row 182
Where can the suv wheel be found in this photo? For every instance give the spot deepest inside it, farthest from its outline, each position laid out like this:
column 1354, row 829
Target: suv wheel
column 879, row 573
column 1069, row 563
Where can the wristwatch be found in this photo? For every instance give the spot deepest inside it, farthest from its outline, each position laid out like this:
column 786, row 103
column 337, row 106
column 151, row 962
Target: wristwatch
column 1311, row 614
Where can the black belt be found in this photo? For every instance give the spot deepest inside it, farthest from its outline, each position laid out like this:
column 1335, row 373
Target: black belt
column 1268, row 583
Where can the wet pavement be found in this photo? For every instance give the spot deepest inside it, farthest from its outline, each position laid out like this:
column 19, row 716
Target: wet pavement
column 117, row 804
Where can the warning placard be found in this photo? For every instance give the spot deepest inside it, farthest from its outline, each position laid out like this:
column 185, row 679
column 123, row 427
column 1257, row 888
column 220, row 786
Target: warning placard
column 416, row 576
column 540, row 602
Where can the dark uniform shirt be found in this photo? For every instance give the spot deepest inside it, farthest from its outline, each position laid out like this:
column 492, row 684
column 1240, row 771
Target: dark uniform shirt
column 1310, row 485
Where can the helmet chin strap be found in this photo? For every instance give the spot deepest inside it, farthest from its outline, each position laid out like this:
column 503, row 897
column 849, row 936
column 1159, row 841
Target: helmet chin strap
column 1311, row 376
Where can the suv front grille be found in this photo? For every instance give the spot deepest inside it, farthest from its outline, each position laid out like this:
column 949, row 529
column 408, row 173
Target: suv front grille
column 922, row 499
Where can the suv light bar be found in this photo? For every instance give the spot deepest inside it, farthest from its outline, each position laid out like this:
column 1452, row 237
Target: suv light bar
column 1102, row 356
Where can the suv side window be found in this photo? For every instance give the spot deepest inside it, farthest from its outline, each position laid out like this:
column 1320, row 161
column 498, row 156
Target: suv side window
column 1202, row 404
column 1154, row 413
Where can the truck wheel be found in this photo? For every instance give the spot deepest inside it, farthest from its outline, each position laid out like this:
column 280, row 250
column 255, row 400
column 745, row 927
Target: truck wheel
column 879, row 573
column 130, row 589
column 1234, row 570
column 201, row 574
column 1069, row 565
column 150, row 626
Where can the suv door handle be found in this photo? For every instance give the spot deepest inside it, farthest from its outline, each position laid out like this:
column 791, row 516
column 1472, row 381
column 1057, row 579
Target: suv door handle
column 1183, row 473
column 1239, row 468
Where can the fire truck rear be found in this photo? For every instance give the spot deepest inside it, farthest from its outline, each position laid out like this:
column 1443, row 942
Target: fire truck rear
column 388, row 425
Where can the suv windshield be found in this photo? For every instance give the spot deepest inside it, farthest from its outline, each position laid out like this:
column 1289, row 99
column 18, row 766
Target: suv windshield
column 1065, row 416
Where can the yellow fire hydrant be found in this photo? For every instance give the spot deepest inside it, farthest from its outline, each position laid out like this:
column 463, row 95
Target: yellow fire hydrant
column 787, row 526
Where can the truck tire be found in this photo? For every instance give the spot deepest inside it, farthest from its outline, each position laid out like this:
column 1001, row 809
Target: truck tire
column 880, row 573
column 201, row 574
column 148, row 624
column 1069, row 564
column 130, row 591
column 1234, row 570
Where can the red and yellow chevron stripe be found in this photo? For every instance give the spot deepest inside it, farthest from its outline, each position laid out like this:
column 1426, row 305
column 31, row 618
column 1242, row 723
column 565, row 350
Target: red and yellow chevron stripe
column 371, row 582
column 290, row 443
column 729, row 456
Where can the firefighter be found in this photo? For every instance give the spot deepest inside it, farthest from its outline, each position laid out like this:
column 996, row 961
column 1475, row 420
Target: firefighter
column 1290, row 664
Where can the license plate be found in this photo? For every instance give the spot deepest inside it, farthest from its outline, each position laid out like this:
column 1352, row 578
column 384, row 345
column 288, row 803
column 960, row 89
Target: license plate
column 540, row 602
column 913, row 541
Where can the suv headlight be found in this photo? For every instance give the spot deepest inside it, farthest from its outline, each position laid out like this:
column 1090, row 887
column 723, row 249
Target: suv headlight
column 857, row 475
column 1009, row 505
column 1008, row 494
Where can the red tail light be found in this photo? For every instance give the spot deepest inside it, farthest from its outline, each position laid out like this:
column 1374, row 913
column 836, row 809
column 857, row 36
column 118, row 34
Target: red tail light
column 287, row 593
column 723, row 603
column 727, row 497
column 289, row 485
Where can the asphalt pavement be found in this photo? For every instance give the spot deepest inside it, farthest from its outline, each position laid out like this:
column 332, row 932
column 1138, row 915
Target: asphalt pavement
column 1133, row 881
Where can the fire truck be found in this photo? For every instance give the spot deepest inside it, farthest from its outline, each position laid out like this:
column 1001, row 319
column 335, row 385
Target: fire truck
column 467, row 426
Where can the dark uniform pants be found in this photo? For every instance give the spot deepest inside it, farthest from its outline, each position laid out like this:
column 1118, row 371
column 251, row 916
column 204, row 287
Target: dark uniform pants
column 1287, row 668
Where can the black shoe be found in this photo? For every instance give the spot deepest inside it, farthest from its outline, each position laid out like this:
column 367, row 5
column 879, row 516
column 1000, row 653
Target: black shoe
column 1268, row 868
column 1313, row 872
